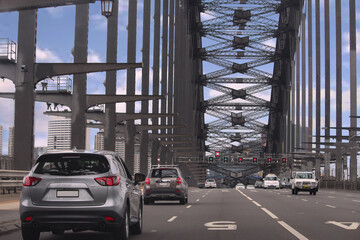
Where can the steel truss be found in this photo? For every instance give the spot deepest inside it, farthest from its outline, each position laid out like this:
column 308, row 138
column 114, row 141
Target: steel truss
column 239, row 36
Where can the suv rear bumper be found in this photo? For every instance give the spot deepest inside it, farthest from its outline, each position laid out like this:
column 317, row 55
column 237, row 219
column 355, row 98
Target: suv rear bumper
column 306, row 189
column 169, row 195
column 76, row 221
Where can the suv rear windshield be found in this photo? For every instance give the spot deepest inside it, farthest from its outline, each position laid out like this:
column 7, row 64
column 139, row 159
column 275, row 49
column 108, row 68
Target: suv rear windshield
column 72, row 164
column 164, row 173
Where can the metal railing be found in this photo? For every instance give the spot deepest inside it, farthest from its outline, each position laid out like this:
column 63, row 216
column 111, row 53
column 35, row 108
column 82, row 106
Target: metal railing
column 344, row 185
column 7, row 49
column 56, row 84
column 11, row 180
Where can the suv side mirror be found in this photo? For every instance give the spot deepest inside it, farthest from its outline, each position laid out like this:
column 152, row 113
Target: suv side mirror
column 139, row 177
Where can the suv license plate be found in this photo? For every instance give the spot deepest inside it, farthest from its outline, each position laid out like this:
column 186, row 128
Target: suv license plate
column 60, row 193
column 164, row 184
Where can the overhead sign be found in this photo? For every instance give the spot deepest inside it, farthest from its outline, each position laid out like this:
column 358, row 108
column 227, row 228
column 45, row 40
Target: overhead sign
column 221, row 226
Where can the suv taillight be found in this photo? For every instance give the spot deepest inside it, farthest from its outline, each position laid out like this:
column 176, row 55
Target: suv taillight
column 31, row 181
column 178, row 181
column 108, row 181
column 147, row 181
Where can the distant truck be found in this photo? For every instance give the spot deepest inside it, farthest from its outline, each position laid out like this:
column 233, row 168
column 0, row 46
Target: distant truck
column 271, row 181
column 304, row 181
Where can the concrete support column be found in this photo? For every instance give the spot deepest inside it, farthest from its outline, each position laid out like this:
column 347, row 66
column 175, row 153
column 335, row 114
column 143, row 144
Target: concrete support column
column 144, row 137
column 318, row 84
column 298, row 139
column 78, row 105
column 353, row 92
column 130, row 86
column 156, row 61
column 327, row 82
column 171, row 63
column 303, row 81
column 24, row 91
column 339, row 161
column 110, row 84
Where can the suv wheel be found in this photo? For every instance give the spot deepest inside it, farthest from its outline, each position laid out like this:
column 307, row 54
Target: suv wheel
column 183, row 201
column 30, row 234
column 295, row 191
column 137, row 228
column 148, row 201
column 123, row 232
column 292, row 191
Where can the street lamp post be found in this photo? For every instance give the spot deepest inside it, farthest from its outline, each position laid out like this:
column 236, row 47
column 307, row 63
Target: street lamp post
column 106, row 7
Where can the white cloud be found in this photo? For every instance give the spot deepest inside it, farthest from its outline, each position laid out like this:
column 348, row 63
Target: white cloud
column 7, row 85
column 99, row 21
column 56, row 12
column 46, row 55
column 93, row 57
column 346, row 42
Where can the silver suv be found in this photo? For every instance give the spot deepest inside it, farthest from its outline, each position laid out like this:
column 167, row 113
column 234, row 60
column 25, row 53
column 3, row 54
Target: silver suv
column 165, row 183
column 78, row 191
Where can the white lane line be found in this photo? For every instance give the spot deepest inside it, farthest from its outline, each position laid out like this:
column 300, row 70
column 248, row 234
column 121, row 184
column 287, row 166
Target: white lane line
column 305, row 200
column 189, row 206
column 292, row 231
column 270, row 213
column 330, row 206
column 355, row 200
column 172, row 219
column 203, row 195
column 288, row 196
column 249, row 198
column 197, row 200
column 256, row 203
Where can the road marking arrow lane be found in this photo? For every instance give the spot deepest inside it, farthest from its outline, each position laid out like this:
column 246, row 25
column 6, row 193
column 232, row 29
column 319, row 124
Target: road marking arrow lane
column 221, row 225
column 345, row 225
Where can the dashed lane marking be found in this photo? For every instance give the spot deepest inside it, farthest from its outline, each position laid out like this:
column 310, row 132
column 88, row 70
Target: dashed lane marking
column 330, row 206
column 270, row 213
column 189, row 206
column 355, row 200
column 197, row 200
column 305, row 200
column 172, row 219
column 292, row 230
column 256, row 203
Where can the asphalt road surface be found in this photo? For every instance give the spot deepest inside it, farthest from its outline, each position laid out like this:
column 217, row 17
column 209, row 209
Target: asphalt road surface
column 223, row 214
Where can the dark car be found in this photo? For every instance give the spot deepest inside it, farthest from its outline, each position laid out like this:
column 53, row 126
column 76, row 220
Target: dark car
column 165, row 183
column 78, row 191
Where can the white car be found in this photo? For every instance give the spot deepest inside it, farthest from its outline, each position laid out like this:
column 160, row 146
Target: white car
column 210, row 183
column 240, row 186
column 271, row 181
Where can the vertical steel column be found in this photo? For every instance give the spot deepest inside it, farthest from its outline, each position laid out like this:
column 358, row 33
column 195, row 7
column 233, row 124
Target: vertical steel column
column 78, row 105
column 156, row 64
column 339, row 162
column 303, row 81
column 353, row 92
column 310, row 73
column 327, row 84
column 144, row 138
column 318, row 84
column 24, row 91
column 293, row 105
column 130, row 86
column 297, row 93
column 171, row 63
column 110, row 83
column 164, row 63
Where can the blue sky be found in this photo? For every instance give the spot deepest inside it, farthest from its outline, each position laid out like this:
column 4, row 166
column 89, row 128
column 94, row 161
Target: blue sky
column 55, row 40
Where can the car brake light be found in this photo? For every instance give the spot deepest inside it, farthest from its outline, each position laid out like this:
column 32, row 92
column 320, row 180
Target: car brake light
column 28, row 219
column 147, row 181
column 31, row 181
column 178, row 181
column 109, row 219
column 108, row 181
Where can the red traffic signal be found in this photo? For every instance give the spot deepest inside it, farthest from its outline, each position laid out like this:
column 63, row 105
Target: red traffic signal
column 283, row 160
column 240, row 159
column 217, row 154
column 269, row 160
column 255, row 160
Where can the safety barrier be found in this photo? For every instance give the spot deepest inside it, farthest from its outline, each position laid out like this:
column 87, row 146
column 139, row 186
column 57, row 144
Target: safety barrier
column 345, row 185
column 11, row 180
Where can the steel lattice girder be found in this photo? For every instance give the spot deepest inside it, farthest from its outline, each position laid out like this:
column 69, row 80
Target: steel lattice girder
column 241, row 30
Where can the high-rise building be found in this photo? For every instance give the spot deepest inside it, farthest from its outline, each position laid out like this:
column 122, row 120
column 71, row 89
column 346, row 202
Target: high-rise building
column 1, row 136
column 99, row 140
column 59, row 133
column 120, row 145
column 11, row 142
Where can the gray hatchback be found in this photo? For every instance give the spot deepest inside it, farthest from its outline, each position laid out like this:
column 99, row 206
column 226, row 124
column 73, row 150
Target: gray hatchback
column 165, row 183
column 78, row 191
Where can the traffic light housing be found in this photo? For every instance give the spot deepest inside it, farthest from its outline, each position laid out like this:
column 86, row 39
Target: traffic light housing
column 217, row 154
column 283, row 160
column 254, row 160
column 269, row 160
column 240, row 159
column 211, row 159
column 226, row 159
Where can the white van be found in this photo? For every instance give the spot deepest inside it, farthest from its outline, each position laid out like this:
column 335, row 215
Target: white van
column 271, row 181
